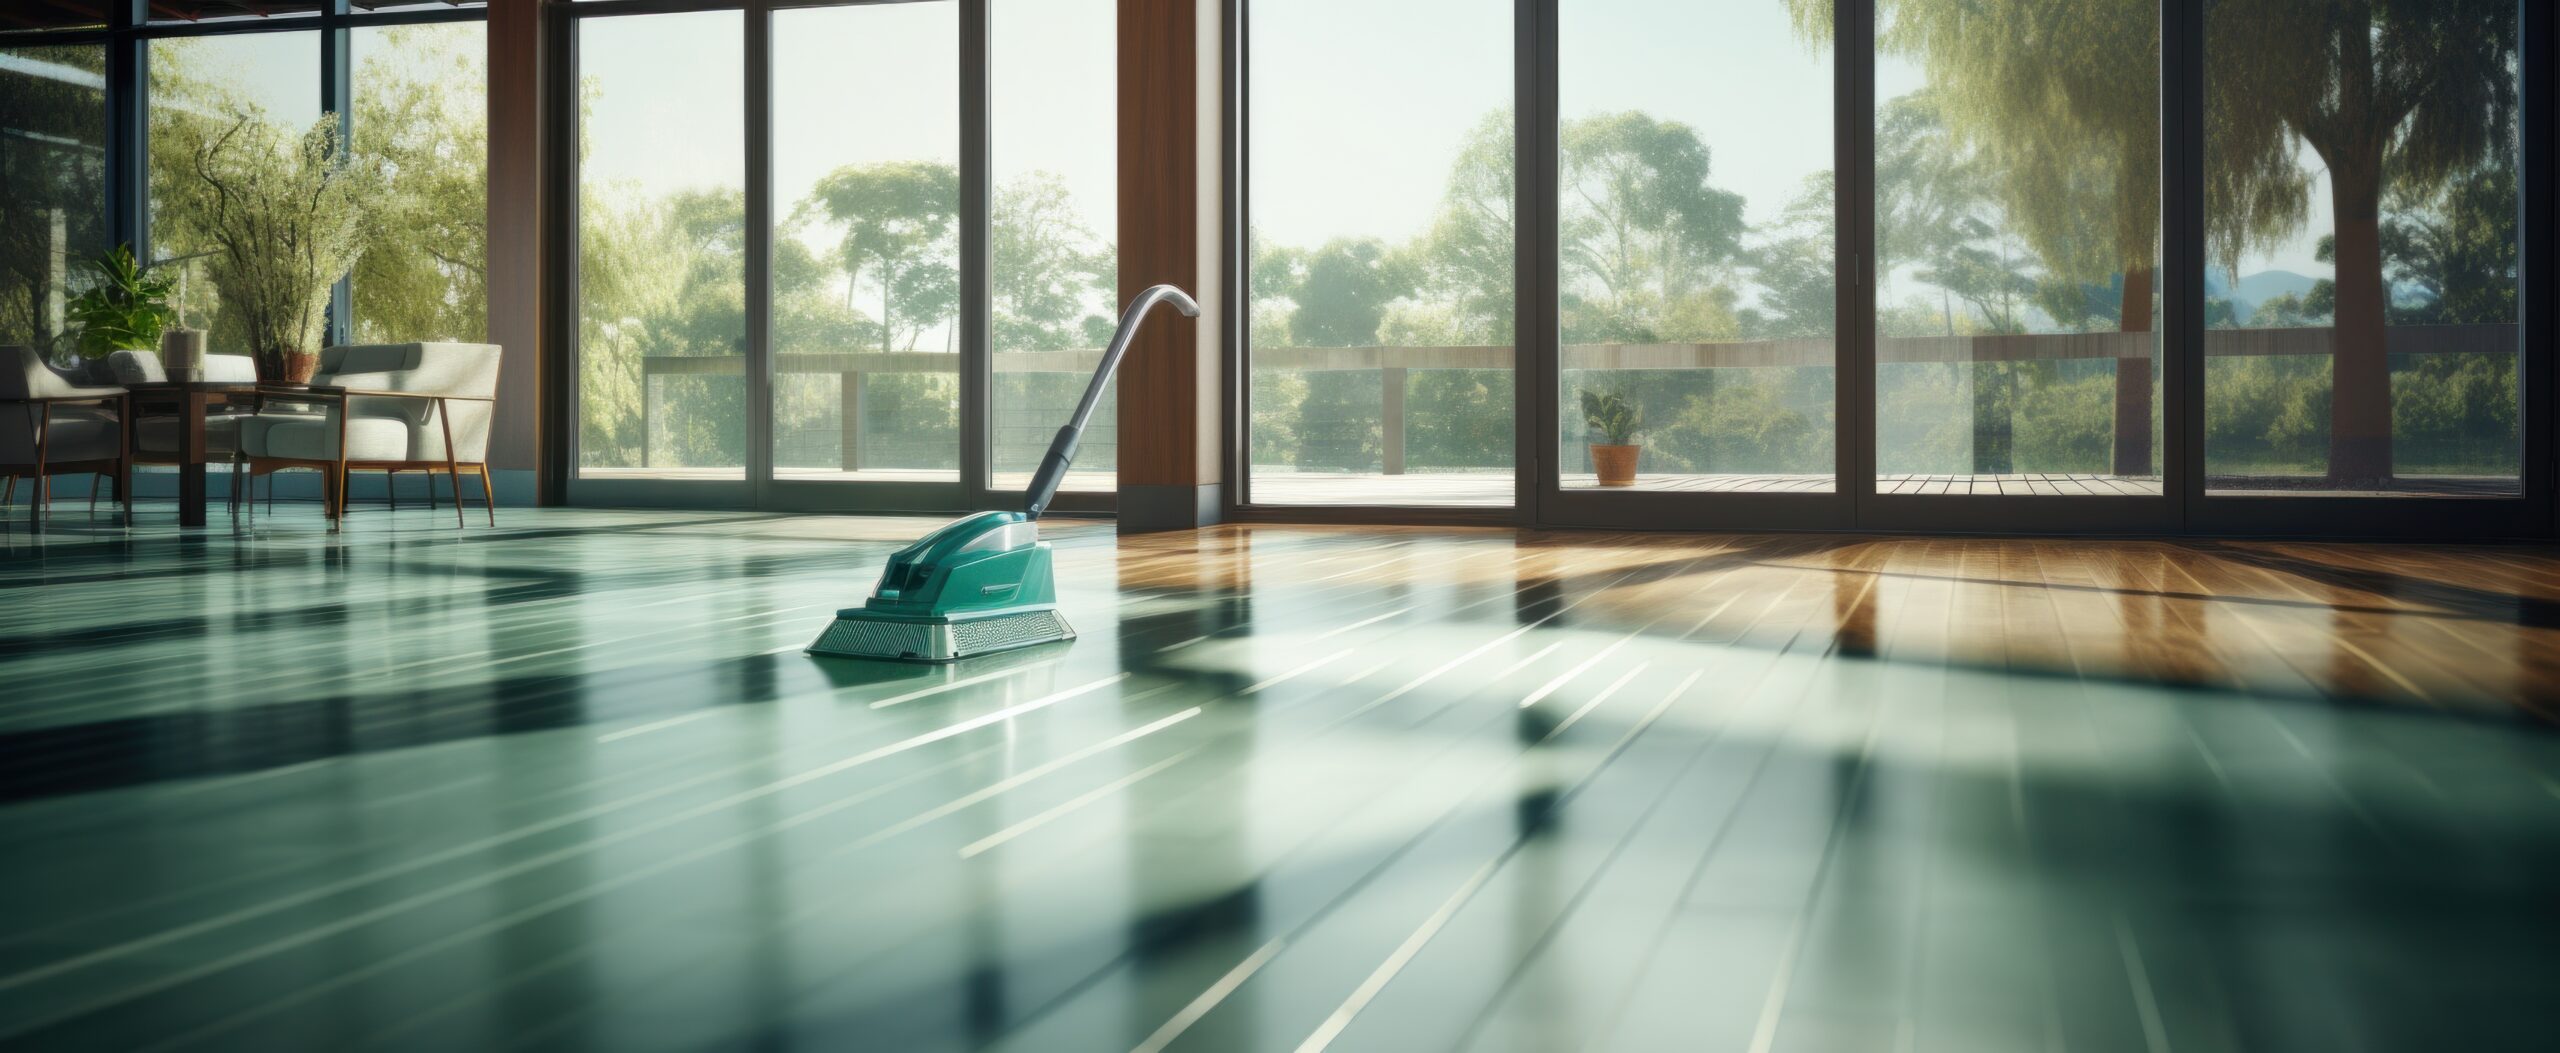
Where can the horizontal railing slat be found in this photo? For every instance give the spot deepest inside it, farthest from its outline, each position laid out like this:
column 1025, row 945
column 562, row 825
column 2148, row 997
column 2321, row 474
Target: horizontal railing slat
column 2484, row 338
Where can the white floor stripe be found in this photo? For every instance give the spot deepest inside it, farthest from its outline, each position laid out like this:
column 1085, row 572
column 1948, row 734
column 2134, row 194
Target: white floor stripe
column 1298, row 672
column 1528, row 661
column 1210, row 998
column 1567, row 676
column 655, row 725
column 956, row 685
column 1386, row 972
column 1361, row 624
column 1080, row 800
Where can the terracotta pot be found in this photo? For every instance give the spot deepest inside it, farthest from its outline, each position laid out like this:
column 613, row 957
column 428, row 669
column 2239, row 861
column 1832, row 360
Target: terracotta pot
column 287, row 367
column 1616, row 464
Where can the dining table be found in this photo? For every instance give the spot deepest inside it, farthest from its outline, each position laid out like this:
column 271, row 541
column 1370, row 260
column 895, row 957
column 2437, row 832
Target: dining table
column 192, row 402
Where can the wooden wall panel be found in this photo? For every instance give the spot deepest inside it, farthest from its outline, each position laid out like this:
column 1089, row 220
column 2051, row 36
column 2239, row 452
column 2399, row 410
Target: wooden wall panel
column 515, row 227
column 1169, row 109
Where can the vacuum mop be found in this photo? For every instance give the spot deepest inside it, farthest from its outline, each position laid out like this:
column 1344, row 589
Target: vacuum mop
column 982, row 584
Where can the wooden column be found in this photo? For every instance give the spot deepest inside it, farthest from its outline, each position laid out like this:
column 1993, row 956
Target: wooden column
column 1171, row 143
column 515, row 234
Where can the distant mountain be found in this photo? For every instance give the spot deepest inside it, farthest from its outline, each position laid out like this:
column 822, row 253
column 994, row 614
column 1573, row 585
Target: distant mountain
column 2247, row 293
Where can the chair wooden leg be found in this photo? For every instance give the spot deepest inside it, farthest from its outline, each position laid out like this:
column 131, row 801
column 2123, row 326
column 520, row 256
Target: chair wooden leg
column 44, row 483
column 338, row 497
column 452, row 471
column 124, row 457
column 488, row 495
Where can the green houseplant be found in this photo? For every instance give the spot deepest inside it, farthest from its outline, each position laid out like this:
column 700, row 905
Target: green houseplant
column 126, row 309
column 1613, row 421
column 280, row 219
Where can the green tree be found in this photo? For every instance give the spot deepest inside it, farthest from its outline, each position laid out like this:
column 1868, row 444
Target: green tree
column 2455, row 246
column 1047, row 267
column 1793, row 265
column 2387, row 93
column 898, row 218
column 424, row 275
column 1646, row 240
column 1467, row 257
column 1345, row 293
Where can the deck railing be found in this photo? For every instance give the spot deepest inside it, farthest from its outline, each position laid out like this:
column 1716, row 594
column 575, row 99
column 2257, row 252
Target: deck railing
column 2132, row 352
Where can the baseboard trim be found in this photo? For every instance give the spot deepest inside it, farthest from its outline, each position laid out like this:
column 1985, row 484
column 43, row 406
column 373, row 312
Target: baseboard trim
column 157, row 482
column 1156, row 509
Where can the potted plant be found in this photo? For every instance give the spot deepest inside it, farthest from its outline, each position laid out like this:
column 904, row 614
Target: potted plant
column 280, row 220
column 1613, row 421
column 125, row 310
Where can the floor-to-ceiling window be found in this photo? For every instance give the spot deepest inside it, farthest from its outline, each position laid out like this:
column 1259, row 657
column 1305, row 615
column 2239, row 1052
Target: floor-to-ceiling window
column 1382, row 269
column 866, row 276
column 1694, row 249
column 662, row 356
column 223, row 108
column 1053, row 276
column 2017, row 230
column 53, row 207
column 2362, row 209
column 421, row 106
column 881, row 174
column 2123, row 265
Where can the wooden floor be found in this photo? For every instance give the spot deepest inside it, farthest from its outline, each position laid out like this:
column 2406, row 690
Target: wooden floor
column 570, row 784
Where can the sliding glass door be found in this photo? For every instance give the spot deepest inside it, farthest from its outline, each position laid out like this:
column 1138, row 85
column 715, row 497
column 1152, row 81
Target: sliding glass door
column 1696, row 295
column 1053, row 277
column 662, row 348
column 1379, row 362
column 2365, row 322
column 2016, row 210
column 849, row 257
column 866, row 244
column 2008, row 265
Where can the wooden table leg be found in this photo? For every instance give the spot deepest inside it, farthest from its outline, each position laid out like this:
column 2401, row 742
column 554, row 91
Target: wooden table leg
column 191, row 454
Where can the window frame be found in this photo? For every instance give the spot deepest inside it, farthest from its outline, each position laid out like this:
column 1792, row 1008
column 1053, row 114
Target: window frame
column 2183, row 507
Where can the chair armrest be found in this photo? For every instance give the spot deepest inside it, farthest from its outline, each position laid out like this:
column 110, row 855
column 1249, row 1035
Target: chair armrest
column 70, row 395
column 390, row 382
column 336, row 391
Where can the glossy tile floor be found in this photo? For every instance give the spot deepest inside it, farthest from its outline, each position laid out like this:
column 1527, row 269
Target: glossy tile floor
column 570, row 784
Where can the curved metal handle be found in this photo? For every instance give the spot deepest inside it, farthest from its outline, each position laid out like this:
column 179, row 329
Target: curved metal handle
column 1062, row 450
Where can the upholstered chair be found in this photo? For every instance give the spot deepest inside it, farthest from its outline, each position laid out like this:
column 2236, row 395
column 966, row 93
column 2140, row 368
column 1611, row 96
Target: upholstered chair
column 383, row 407
column 50, row 426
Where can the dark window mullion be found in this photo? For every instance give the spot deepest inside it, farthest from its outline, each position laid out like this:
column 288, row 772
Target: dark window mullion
column 2183, row 262
column 977, row 358
column 1537, row 338
column 129, row 131
column 1854, row 281
column 759, row 241
column 337, row 96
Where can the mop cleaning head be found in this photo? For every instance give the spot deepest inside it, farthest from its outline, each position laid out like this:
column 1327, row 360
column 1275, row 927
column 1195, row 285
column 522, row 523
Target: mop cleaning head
column 977, row 586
